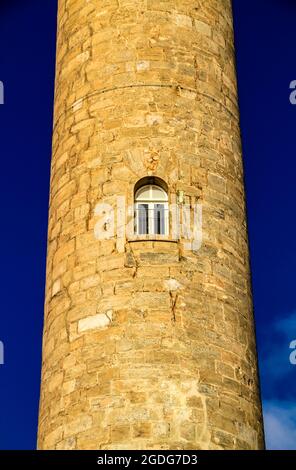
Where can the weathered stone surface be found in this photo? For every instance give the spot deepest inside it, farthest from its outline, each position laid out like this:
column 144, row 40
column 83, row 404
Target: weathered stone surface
column 147, row 344
column 102, row 320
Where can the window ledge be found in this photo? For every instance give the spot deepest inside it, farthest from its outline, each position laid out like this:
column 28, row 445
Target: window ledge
column 152, row 238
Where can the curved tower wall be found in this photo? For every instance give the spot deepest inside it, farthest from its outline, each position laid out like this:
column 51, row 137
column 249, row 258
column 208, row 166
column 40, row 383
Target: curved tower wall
column 148, row 343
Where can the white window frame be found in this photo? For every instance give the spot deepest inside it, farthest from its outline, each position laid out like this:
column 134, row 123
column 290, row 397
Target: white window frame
column 151, row 202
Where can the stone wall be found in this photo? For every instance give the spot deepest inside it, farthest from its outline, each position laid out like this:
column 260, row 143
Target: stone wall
column 147, row 345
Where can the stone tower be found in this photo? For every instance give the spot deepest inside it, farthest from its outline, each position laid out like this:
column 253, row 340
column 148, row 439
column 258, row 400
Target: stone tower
column 149, row 338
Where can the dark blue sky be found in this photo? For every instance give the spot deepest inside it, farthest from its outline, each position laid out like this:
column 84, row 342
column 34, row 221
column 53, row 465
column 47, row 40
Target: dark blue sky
column 265, row 43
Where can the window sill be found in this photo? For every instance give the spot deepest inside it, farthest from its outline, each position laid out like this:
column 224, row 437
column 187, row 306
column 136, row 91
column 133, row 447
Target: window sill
column 152, row 238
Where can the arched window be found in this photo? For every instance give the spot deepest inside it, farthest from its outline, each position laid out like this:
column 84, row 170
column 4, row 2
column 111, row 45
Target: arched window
column 151, row 210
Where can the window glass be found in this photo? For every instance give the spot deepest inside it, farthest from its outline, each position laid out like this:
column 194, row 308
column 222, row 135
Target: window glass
column 151, row 211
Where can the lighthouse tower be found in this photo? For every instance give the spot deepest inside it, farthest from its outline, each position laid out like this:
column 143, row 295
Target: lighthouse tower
column 149, row 336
